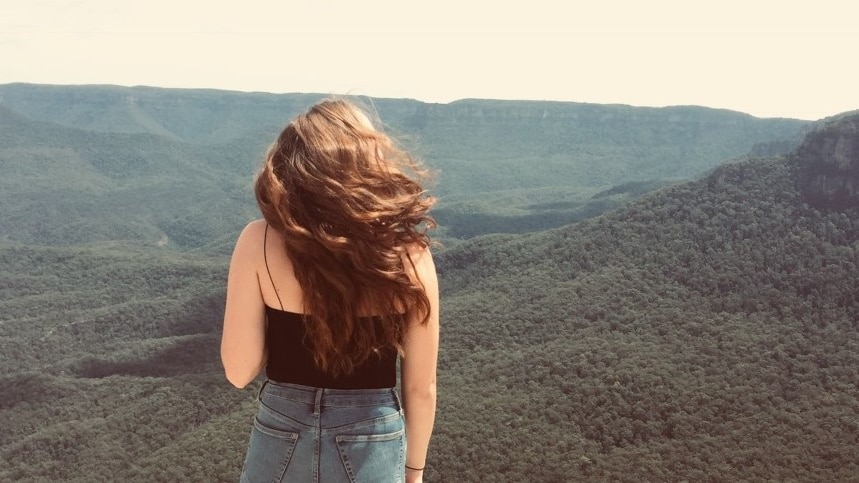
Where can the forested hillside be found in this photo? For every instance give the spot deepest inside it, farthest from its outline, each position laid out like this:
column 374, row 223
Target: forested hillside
column 505, row 166
column 705, row 332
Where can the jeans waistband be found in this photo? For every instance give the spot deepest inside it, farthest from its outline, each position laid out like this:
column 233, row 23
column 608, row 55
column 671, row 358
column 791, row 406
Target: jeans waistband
column 321, row 397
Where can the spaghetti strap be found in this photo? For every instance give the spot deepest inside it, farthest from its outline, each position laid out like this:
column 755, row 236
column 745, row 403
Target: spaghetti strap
column 265, row 259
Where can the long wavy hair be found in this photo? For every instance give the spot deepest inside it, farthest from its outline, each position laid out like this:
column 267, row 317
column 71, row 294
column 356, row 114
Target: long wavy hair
column 348, row 202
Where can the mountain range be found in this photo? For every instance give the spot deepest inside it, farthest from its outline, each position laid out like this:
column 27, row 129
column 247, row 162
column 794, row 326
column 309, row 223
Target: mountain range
column 701, row 329
column 504, row 166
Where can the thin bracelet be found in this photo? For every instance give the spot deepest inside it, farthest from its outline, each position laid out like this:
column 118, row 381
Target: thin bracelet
column 414, row 469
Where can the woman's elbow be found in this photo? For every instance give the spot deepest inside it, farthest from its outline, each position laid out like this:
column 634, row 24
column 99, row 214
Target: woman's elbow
column 238, row 379
column 240, row 373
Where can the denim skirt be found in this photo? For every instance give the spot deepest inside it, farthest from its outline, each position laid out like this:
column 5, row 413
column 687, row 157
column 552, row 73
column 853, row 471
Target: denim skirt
column 308, row 434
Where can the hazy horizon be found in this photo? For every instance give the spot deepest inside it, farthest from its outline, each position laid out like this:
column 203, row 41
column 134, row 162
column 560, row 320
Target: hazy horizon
column 767, row 59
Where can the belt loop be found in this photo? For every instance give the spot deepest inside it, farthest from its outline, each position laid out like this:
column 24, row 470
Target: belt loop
column 259, row 393
column 397, row 399
column 317, row 405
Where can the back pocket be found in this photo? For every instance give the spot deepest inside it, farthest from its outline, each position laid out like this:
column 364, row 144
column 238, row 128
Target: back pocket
column 269, row 453
column 374, row 457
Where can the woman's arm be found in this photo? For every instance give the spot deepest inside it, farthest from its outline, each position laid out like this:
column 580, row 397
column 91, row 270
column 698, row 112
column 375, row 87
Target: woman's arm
column 418, row 369
column 243, row 339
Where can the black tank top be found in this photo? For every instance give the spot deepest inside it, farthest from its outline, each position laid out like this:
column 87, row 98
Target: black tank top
column 290, row 361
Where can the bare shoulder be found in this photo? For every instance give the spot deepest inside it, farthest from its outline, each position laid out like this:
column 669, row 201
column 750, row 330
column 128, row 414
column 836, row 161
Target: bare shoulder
column 250, row 239
column 418, row 262
column 255, row 228
column 417, row 253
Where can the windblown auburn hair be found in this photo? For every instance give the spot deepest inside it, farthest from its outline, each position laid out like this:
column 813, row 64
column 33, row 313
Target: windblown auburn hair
column 348, row 201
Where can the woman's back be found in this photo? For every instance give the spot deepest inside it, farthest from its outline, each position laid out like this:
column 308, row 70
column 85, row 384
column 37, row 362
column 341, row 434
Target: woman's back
column 326, row 291
column 289, row 359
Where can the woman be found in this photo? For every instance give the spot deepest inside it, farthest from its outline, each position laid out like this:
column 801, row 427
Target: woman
column 326, row 293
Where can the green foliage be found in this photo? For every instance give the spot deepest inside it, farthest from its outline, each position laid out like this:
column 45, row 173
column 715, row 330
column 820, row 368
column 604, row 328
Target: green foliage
column 705, row 332
column 156, row 165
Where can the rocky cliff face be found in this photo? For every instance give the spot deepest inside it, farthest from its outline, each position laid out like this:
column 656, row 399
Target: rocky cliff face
column 828, row 161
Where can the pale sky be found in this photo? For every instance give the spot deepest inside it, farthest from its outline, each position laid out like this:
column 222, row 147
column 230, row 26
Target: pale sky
column 768, row 58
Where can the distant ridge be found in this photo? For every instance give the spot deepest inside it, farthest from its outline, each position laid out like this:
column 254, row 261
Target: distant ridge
column 39, row 101
column 193, row 115
column 505, row 166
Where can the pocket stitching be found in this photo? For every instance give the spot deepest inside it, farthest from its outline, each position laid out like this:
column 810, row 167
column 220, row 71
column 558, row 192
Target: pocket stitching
column 276, row 433
column 368, row 422
column 353, row 438
column 289, row 438
column 280, row 416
